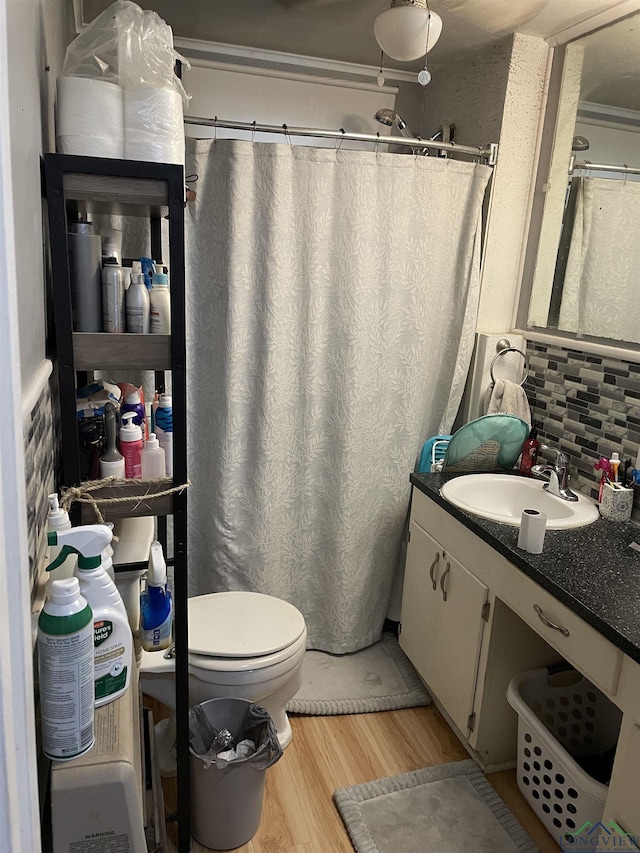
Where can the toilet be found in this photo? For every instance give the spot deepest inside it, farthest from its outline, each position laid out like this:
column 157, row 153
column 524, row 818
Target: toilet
column 241, row 644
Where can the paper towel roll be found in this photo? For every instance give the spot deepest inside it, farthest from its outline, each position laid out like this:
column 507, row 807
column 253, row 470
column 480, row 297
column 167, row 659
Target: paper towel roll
column 154, row 128
column 533, row 525
column 89, row 117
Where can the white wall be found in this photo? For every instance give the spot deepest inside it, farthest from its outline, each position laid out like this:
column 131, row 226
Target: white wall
column 248, row 95
column 31, row 37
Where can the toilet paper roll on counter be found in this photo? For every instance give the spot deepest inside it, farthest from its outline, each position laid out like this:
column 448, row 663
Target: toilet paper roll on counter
column 533, row 525
column 89, row 117
column 154, row 127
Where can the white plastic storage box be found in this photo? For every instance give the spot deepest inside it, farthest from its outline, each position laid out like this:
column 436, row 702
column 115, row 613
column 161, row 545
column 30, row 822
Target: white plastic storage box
column 560, row 716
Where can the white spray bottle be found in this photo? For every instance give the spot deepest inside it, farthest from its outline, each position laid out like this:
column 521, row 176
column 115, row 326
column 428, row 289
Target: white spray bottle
column 112, row 638
column 156, row 606
column 58, row 519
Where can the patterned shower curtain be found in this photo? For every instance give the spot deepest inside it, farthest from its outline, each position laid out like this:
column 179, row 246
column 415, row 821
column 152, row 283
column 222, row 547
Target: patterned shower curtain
column 332, row 297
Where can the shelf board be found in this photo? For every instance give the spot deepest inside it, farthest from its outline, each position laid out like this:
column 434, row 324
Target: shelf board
column 98, row 350
column 118, row 196
column 141, row 500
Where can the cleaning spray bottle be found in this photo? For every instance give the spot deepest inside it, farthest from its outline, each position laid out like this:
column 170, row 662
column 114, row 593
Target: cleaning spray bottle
column 156, row 606
column 58, row 519
column 112, row 638
column 65, row 666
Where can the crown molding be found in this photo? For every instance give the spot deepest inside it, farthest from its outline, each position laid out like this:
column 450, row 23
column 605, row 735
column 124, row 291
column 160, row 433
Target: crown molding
column 236, row 55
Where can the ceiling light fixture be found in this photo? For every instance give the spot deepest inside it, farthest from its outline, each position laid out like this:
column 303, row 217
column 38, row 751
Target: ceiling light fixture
column 404, row 30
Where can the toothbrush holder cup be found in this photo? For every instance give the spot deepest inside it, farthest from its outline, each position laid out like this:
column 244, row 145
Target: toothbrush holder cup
column 616, row 504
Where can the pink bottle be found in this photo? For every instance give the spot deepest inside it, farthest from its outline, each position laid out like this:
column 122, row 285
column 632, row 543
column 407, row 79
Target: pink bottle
column 131, row 447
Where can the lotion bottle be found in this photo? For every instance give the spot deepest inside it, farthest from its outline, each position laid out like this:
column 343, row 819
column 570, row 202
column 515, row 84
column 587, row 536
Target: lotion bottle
column 112, row 637
column 131, row 446
column 153, row 460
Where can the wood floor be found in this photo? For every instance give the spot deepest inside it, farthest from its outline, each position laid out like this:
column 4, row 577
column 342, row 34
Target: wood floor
column 332, row 752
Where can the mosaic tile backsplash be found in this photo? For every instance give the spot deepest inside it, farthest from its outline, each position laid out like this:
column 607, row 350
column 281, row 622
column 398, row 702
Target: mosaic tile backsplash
column 588, row 405
column 39, row 462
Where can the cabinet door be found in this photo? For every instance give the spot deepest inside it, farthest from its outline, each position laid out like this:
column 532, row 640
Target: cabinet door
column 441, row 623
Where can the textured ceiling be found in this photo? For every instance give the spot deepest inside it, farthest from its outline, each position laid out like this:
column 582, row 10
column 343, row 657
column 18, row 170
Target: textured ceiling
column 343, row 30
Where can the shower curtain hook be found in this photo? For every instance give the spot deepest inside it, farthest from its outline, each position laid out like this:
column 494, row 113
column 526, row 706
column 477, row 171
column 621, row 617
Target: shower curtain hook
column 339, row 145
column 215, row 129
column 377, row 143
column 286, row 135
column 253, row 132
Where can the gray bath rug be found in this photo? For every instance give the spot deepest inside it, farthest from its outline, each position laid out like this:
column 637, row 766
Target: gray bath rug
column 450, row 808
column 378, row 678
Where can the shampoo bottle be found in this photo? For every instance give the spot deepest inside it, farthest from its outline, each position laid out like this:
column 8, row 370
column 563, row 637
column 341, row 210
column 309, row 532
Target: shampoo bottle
column 529, row 452
column 112, row 637
column 65, row 666
column 131, row 447
column 156, row 606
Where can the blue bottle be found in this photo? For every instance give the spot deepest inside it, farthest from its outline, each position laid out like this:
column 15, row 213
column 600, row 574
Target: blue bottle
column 156, row 606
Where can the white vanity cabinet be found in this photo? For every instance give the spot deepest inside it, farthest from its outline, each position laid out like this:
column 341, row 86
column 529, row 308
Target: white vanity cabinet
column 471, row 620
column 443, row 608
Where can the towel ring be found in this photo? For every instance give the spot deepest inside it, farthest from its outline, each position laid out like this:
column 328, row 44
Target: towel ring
column 502, row 352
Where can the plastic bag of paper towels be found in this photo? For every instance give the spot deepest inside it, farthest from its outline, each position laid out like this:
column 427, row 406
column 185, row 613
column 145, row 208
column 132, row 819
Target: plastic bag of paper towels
column 118, row 95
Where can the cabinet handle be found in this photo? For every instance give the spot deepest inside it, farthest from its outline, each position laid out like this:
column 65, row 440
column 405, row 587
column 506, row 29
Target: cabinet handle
column 444, row 574
column 548, row 623
column 434, row 580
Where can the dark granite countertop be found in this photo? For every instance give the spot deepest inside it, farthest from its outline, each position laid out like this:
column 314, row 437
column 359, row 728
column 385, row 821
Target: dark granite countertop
column 591, row 569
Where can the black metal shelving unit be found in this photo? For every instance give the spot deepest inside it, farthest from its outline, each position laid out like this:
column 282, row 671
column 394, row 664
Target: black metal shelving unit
column 154, row 191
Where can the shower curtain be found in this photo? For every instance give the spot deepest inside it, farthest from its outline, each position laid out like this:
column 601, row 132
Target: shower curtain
column 600, row 292
column 332, row 297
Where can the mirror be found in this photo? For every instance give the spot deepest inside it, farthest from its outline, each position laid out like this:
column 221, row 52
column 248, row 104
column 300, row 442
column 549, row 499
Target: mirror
column 586, row 280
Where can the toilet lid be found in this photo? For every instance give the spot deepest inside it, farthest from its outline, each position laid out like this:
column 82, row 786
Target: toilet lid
column 242, row 624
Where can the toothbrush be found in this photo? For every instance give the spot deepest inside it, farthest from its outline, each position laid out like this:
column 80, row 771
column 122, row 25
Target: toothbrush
column 603, row 465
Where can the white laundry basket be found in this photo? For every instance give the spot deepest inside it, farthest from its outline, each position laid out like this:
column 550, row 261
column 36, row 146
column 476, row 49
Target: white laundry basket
column 558, row 715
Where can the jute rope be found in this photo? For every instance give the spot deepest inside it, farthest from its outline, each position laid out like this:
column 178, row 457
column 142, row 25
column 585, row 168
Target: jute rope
column 83, row 494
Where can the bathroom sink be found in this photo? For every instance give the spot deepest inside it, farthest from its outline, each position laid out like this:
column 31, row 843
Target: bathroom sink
column 502, row 497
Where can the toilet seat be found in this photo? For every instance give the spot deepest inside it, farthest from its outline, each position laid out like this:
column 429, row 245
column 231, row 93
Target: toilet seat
column 242, row 630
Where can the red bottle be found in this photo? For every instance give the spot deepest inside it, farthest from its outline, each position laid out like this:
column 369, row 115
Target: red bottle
column 529, row 452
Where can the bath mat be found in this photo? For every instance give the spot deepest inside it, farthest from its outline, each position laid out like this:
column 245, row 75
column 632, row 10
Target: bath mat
column 378, row 678
column 450, row 808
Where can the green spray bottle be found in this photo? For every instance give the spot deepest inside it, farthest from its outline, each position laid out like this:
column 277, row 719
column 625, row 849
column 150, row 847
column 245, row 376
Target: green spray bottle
column 112, row 637
column 65, row 666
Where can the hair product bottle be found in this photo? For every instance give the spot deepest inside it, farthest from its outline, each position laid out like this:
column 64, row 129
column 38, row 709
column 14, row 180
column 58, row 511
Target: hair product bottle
column 111, row 461
column 160, row 304
column 112, row 296
column 86, row 282
column 137, row 302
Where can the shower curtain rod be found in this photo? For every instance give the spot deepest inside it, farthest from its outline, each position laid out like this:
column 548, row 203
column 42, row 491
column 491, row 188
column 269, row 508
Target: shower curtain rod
column 488, row 152
column 601, row 167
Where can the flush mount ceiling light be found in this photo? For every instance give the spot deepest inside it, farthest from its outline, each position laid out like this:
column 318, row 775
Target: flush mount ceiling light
column 408, row 30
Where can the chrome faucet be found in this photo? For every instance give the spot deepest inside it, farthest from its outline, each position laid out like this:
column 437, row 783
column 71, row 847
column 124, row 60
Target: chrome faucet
column 557, row 475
